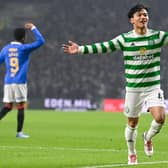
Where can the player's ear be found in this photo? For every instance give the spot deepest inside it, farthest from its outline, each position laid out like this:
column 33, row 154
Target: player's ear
column 23, row 39
column 131, row 20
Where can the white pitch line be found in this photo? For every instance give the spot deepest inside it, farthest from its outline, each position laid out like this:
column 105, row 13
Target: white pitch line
column 61, row 148
column 121, row 165
column 83, row 150
column 69, row 149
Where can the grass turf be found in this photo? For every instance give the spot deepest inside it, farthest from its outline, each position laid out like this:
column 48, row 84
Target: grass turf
column 75, row 140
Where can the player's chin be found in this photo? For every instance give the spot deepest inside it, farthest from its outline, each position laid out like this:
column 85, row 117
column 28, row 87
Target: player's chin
column 143, row 25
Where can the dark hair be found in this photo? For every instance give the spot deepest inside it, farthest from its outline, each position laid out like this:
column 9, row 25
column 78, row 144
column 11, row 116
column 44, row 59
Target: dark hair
column 135, row 9
column 19, row 34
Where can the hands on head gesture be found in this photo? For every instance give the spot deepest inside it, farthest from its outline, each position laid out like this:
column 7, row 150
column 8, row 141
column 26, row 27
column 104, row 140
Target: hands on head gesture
column 28, row 25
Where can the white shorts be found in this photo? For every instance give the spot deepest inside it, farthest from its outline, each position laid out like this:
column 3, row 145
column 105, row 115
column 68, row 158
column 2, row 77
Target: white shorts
column 15, row 93
column 135, row 102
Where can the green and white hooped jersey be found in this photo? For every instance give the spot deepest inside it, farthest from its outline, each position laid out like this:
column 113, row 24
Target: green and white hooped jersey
column 141, row 57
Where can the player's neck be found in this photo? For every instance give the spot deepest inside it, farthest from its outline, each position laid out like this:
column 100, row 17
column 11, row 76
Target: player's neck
column 141, row 31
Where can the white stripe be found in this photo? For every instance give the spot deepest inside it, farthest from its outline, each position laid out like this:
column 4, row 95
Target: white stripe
column 99, row 48
column 141, row 43
column 142, row 62
column 81, row 50
column 90, row 49
column 106, row 44
column 137, row 43
column 140, row 71
column 139, row 80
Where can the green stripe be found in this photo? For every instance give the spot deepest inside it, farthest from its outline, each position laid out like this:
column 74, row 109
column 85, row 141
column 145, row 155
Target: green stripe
column 144, row 84
column 104, row 49
column 148, row 55
column 86, row 51
column 112, row 47
column 143, row 75
column 94, row 48
column 147, row 47
column 121, row 46
column 147, row 66
column 138, row 39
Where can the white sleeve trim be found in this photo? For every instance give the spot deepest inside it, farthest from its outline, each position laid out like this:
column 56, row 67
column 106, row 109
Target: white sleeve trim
column 33, row 27
column 80, row 50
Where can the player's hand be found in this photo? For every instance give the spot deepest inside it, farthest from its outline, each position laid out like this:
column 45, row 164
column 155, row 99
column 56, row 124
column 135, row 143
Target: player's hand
column 28, row 25
column 70, row 48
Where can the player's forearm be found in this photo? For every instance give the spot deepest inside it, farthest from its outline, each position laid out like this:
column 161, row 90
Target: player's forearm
column 39, row 37
column 104, row 47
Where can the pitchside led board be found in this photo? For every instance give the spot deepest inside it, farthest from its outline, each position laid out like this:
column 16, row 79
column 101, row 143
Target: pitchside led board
column 117, row 105
column 69, row 104
column 113, row 105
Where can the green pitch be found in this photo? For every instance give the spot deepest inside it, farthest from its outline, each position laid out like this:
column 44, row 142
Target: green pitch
column 76, row 140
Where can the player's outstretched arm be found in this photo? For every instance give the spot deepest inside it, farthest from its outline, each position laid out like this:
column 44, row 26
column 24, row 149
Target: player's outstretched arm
column 70, row 48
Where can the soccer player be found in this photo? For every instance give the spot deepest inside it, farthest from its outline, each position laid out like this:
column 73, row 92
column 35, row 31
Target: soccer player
column 16, row 57
column 141, row 53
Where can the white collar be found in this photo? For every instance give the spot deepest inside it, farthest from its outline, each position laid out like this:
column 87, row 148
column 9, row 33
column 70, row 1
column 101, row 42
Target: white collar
column 138, row 35
column 16, row 42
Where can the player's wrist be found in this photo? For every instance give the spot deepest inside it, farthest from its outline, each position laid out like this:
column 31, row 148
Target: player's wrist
column 33, row 27
column 80, row 50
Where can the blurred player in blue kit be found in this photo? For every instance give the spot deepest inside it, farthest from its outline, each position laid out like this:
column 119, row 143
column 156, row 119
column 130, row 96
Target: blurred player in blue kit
column 16, row 55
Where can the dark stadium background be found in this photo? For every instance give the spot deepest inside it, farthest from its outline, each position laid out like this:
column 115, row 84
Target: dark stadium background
column 52, row 73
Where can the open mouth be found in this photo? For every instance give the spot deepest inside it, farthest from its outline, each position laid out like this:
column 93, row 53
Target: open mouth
column 143, row 21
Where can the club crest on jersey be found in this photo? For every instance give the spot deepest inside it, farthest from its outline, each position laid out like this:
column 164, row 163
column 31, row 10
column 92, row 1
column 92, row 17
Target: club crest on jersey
column 142, row 51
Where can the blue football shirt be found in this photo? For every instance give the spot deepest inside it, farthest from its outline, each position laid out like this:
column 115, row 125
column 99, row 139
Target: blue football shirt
column 16, row 58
